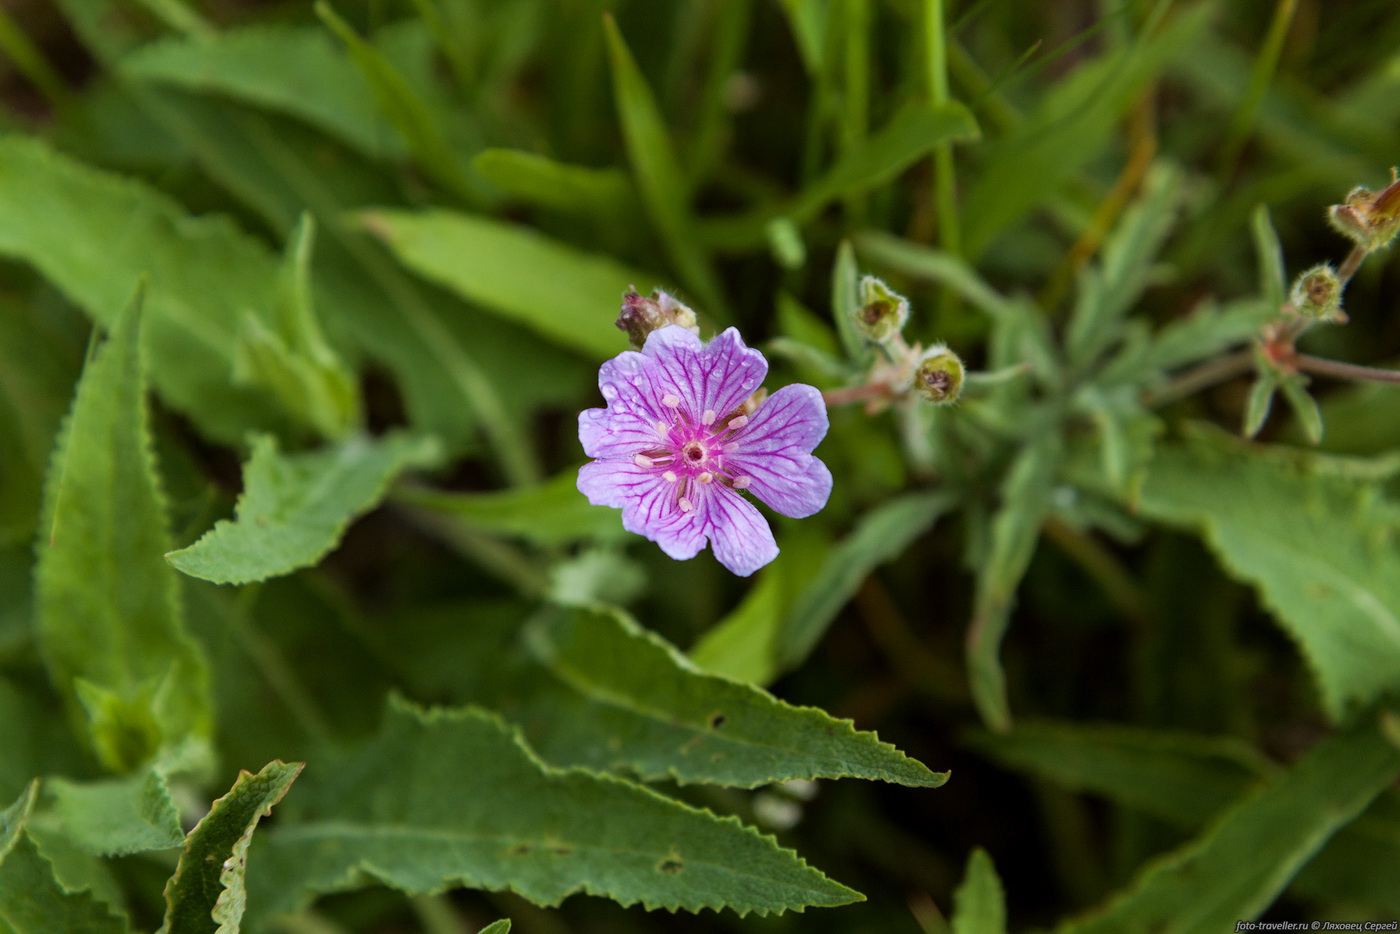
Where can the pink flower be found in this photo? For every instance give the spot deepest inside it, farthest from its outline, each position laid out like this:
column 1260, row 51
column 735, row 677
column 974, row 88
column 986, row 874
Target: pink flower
column 676, row 453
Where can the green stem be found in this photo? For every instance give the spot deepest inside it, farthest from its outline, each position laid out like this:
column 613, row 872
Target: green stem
column 1201, row 377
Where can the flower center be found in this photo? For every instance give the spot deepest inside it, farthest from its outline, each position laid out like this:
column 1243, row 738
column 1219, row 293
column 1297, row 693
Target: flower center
column 694, row 453
column 690, row 457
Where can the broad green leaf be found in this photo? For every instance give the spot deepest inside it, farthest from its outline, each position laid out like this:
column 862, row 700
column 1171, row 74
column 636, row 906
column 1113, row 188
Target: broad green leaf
column 553, row 513
column 114, row 817
column 295, row 507
column 443, row 798
column 1320, row 549
column 1015, row 530
column 576, row 189
column 564, row 294
column 204, row 275
column 1273, row 282
column 1178, row 777
column 1109, row 288
column 1238, row 867
column 633, row 700
column 108, row 615
column 1069, row 127
column 33, row 736
column 207, row 892
column 296, row 70
column 402, row 106
column 979, row 904
column 658, row 173
column 31, row 900
column 882, row 535
column 743, row 645
column 292, row 361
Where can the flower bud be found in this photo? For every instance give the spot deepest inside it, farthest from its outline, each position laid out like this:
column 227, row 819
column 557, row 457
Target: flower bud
column 939, row 375
column 640, row 316
column 1370, row 219
column 882, row 313
column 1317, row 293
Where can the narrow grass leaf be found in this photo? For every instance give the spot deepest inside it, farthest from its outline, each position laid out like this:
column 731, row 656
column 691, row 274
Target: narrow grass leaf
column 1015, row 530
column 207, row 894
column 295, row 70
column 444, row 798
column 931, row 265
column 295, row 507
column 107, row 610
column 553, row 513
column 658, row 172
column 1320, row 549
column 548, row 183
column 845, row 302
column 1235, row 870
column 114, row 817
column 979, row 904
column 883, row 534
column 564, row 294
column 204, row 274
column 634, row 701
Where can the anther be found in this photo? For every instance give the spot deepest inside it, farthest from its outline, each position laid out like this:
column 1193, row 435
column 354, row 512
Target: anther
column 738, row 422
column 669, row 476
column 705, row 477
column 685, row 504
column 730, row 448
column 742, row 483
column 670, row 400
column 641, row 460
column 708, row 418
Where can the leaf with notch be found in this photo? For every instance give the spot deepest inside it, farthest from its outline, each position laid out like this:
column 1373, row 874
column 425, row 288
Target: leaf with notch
column 452, row 797
column 295, row 507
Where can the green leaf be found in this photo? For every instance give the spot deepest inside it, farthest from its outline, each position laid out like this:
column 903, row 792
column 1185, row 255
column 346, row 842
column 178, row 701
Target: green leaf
column 295, row 70
column 497, row 927
column 931, row 265
column 882, row 535
column 647, row 707
column 402, row 106
column 1319, row 548
column 1238, row 867
column 1304, row 406
column 293, row 362
column 114, row 817
column 443, row 798
column 204, row 275
column 207, row 892
column 14, row 817
column 561, row 293
column 574, row 189
column 1204, row 332
column 1273, row 282
column 1070, row 126
column 1111, row 287
column 553, row 513
column 1015, row 530
column 108, row 615
column 1261, row 400
column 1179, row 777
column 295, row 507
column 845, row 303
column 979, row 905
column 658, row 173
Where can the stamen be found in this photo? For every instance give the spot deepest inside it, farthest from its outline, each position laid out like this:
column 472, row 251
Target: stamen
column 663, row 429
column 705, row 477
column 738, row 422
column 669, row 476
column 641, row 460
column 685, row 504
column 670, row 400
column 731, row 447
column 742, row 483
column 708, row 418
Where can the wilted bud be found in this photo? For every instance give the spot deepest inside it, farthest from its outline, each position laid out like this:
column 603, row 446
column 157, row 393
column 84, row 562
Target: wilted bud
column 883, row 312
column 1369, row 218
column 939, row 375
column 640, row 316
column 1317, row 293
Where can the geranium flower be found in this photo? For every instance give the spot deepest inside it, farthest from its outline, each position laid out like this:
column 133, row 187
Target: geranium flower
column 676, row 451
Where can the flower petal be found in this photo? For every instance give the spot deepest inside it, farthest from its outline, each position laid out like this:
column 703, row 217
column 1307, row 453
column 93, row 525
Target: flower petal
column 775, row 452
column 740, row 536
column 715, row 377
column 648, row 505
column 628, row 425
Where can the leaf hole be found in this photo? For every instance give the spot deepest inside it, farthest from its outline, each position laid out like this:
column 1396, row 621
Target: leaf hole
column 717, row 720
